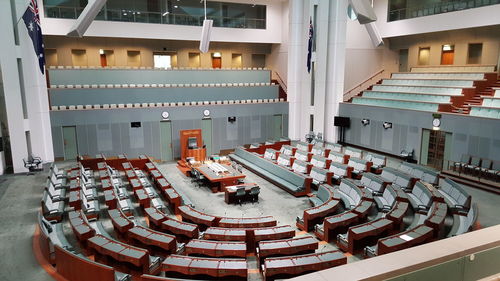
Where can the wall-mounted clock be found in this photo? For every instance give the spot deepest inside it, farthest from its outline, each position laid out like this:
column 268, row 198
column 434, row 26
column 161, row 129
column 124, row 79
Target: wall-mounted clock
column 206, row 113
column 165, row 115
column 436, row 122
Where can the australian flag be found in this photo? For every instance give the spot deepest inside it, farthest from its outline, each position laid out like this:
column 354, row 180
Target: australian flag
column 32, row 20
column 310, row 46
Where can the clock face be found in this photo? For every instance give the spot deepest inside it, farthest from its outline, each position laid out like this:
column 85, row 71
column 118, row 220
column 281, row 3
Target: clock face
column 436, row 122
column 206, row 112
column 165, row 115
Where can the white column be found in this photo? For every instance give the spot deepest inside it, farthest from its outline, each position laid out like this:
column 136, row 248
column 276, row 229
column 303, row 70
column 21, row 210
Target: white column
column 12, row 88
column 336, row 65
column 295, row 47
column 37, row 99
column 35, row 89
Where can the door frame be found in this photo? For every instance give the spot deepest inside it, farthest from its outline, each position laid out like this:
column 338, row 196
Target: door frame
column 171, row 140
column 211, row 134
column 76, row 141
column 281, row 124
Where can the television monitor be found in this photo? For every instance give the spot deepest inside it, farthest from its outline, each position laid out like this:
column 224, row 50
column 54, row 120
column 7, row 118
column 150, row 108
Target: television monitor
column 192, row 143
column 341, row 121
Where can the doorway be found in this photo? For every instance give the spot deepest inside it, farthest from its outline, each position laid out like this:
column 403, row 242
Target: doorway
column 436, row 148
column 216, row 60
column 206, row 134
column 424, row 56
column 475, row 53
column 403, row 60
column 447, row 54
column 277, row 126
column 70, row 143
column 166, row 141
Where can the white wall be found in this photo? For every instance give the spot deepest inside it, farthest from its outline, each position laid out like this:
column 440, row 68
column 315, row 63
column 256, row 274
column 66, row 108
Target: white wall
column 363, row 59
column 477, row 17
column 272, row 33
column 38, row 121
column 278, row 59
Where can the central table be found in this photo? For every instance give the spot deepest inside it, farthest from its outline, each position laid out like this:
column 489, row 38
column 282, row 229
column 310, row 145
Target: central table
column 219, row 180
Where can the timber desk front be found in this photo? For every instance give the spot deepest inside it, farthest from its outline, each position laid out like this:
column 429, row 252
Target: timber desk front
column 192, row 215
column 230, row 192
column 219, row 180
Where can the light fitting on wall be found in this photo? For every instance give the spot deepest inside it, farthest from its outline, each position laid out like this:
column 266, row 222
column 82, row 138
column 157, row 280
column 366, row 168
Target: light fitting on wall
column 206, row 31
column 216, row 55
column 365, row 122
column 101, row 51
column 387, row 125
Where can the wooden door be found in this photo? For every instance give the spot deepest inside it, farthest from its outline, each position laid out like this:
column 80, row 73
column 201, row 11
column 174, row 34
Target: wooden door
column 104, row 61
column 447, row 57
column 216, row 62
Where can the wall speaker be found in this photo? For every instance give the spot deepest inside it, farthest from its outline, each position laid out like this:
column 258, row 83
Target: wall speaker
column 231, row 119
column 205, row 35
column 365, row 122
column 364, row 10
column 387, row 125
column 372, row 30
column 86, row 18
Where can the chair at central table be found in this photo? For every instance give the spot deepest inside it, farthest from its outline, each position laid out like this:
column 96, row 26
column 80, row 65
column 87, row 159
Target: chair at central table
column 240, row 194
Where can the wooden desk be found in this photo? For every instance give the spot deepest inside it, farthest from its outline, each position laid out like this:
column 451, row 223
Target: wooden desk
column 415, row 236
column 225, row 234
column 295, row 265
column 120, row 252
column 191, row 215
column 216, row 248
column 180, row 228
column 199, row 154
column 120, row 222
column 336, row 224
column 110, row 199
column 287, row 247
column 267, row 221
column 80, row 226
column 153, row 239
column 208, row 266
column 219, row 181
column 230, row 192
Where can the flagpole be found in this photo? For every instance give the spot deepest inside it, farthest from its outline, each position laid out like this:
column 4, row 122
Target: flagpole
column 24, row 10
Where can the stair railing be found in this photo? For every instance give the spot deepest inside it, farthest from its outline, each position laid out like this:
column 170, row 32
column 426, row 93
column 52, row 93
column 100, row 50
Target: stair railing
column 364, row 85
column 280, row 81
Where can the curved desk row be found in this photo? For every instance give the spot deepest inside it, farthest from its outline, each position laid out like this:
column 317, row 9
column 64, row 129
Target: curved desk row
column 120, row 252
column 160, row 221
column 286, row 247
column 208, row 266
column 315, row 215
column 197, row 217
column 295, row 265
column 216, row 248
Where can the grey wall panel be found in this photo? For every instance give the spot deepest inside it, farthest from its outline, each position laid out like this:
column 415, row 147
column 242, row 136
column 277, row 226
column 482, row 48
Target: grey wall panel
column 115, row 123
column 147, row 95
column 473, row 145
column 57, row 141
column 91, row 139
column 81, row 130
column 131, row 76
column 471, row 135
